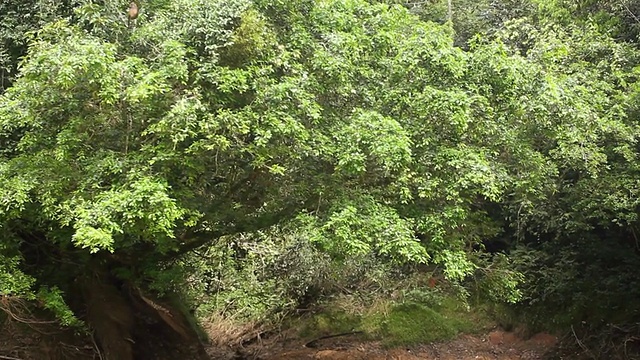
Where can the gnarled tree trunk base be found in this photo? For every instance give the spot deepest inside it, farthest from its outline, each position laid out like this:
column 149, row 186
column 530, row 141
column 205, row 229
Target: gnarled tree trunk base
column 130, row 325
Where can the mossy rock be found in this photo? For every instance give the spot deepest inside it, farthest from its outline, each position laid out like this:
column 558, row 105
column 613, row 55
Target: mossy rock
column 411, row 324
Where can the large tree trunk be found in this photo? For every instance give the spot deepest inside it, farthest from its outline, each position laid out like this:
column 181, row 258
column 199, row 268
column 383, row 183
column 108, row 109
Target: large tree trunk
column 126, row 322
column 130, row 325
column 110, row 316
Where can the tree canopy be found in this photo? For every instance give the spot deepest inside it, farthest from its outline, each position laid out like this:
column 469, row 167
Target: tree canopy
column 127, row 143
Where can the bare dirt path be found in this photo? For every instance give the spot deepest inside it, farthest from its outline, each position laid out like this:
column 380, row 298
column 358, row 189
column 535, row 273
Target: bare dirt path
column 496, row 345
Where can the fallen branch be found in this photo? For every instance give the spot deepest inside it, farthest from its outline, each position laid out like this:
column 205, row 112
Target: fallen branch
column 8, row 358
column 312, row 343
column 582, row 346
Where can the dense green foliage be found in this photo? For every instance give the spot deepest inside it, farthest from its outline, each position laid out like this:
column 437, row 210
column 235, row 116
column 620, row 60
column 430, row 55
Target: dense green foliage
column 286, row 140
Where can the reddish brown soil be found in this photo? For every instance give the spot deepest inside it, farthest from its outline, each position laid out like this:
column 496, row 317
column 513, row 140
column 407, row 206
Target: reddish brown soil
column 497, row 345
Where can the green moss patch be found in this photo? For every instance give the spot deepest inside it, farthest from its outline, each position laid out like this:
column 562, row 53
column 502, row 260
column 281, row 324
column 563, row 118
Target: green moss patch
column 411, row 324
column 328, row 323
column 398, row 324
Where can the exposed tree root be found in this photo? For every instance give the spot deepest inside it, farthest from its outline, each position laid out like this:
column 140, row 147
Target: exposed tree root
column 606, row 341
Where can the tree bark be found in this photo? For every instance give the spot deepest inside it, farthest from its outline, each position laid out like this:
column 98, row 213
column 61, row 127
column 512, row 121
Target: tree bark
column 129, row 324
